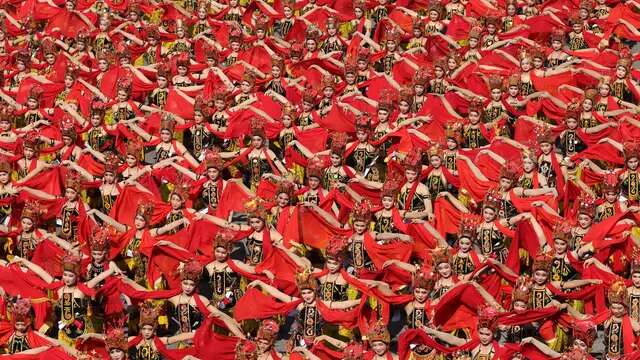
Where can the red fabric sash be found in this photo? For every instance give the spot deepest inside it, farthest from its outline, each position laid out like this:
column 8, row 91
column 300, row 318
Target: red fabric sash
column 412, row 191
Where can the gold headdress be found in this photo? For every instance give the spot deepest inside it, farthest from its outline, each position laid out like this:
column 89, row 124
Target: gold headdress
column 255, row 208
column 224, row 239
column 361, row 211
column 618, row 293
column 268, row 330
column 542, row 262
column 192, row 270
column 522, row 290
column 148, row 314
column 116, row 338
column 71, row 263
column 379, row 332
column 306, row 281
column 21, row 311
column 487, row 317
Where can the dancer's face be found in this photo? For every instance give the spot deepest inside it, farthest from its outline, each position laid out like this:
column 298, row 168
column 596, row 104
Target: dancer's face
column 188, row 286
column 69, row 278
column 308, row 295
column 444, row 270
column 283, row 199
column 139, row 222
column 359, row 226
column 117, row 354
column 579, row 344
column 379, row 347
column 256, row 224
column 98, row 256
column 464, row 244
column 540, row 277
column 420, row 294
column 387, row 202
column 488, row 214
column 584, row 221
column 617, row 310
column 485, row 335
column 560, row 246
column 27, row 224
column 411, row 175
column 314, row 182
column 147, row 331
column 333, row 265
column 220, row 254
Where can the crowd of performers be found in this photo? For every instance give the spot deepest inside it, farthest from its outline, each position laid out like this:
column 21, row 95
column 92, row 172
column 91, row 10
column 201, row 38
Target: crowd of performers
column 321, row 179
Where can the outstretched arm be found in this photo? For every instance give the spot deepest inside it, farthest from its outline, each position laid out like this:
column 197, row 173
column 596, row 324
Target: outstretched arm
column 35, row 268
column 272, row 291
column 302, row 262
column 177, row 338
column 542, row 347
column 109, row 220
column 454, row 201
column 325, row 215
column 474, row 169
column 342, row 305
column 79, row 169
column 102, row 276
column 487, row 297
column 38, row 193
column 402, row 265
column 184, row 170
column 446, row 337
column 220, row 222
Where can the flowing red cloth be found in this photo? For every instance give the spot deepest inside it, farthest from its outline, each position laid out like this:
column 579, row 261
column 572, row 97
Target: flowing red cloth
column 529, row 351
column 163, row 262
column 551, row 83
column 458, row 308
column 600, row 152
column 322, row 351
column 307, row 227
column 179, row 105
column 470, row 184
column 126, row 204
column 380, row 253
column 276, row 260
column 232, row 199
column 448, row 217
column 171, row 354
column 415, row 336
column 109, row 82
column 256, row 305
column 598, row 232
column 26, row 284
column 48, row 256
column 209, row 344
column 55, row 353
column 338, row 120
column 47, row 180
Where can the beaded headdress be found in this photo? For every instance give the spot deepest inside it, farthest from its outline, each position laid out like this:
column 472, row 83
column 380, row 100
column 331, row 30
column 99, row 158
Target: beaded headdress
column 306, row 281
column 379, row 332
column 268, row 330
column 224, row 239
column 192, row 270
